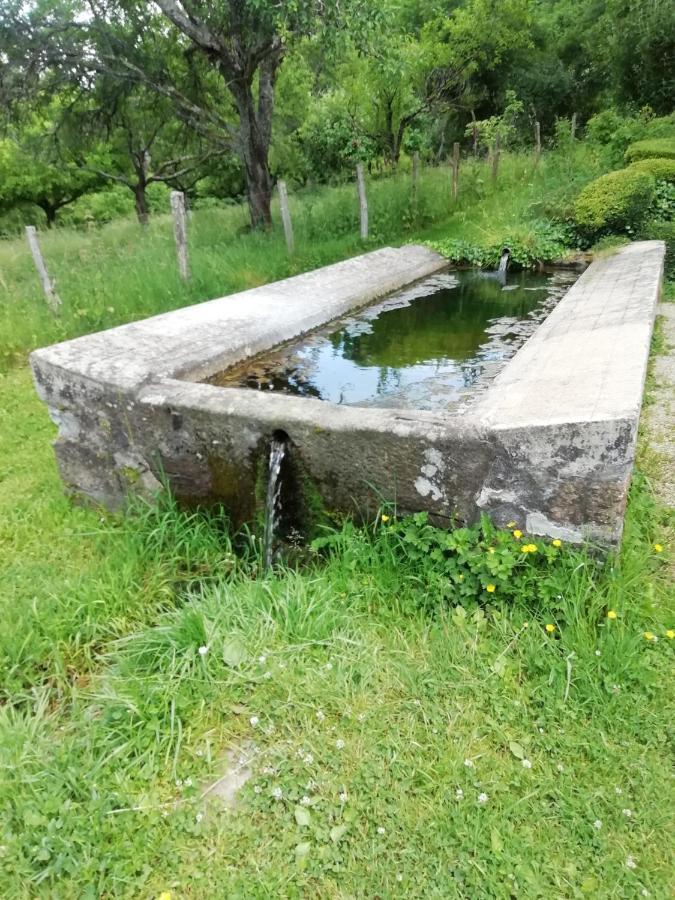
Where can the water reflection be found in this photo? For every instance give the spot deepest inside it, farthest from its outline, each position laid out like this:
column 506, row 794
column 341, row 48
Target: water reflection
column 427, row 346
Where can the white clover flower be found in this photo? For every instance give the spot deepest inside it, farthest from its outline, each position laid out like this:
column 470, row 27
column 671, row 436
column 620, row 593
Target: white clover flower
column 618, row 791
column 645, row 892
column 254, row 720
column 188, row 782
column 483, row 798
column 305, row 801
column 627, row 813
column 361, row 717
column 459, row 794
column 526, row 764
column 630, row 862
column 343, row 797
column 257, row 789
column 262, row 660
column 320, row 715
column 560, row 767
column 468, row 763
column 179, row 783
column 203, row 650
column 597, row 824
column 399, row 876
column 598, row 652
column 329, row 665
column 199, row 817
column 541, row 731
column 380, row 830
column 339, row 744
column 309, row 759
column 267, row 676
column 277, row 793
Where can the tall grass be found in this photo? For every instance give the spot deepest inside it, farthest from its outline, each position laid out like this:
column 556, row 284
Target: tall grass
column 119, row 272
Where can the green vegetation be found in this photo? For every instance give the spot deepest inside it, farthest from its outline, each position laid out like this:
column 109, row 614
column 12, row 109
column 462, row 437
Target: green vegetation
column 661, row 169
column 616, row 201
column 651, row 149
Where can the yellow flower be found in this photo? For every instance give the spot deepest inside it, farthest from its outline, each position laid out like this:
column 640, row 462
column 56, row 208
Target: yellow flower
column 557, row 542
column 490, row 588
column 670, row 634
column 384, row 518
column 550, row 628
column 611, row 614
column 491, row 549
column 165, row 895
column 528, row 548
column 658, row 548
column 649, row 636
column 517, row 534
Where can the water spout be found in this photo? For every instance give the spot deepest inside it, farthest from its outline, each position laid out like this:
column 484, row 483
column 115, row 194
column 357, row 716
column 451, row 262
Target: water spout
column 504, row 260
column 278, row 447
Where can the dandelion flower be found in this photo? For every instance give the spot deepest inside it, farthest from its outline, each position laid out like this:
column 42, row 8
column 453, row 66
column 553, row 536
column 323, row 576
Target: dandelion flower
column 528, row 548
column 384, row 518
column 630, row 862
column 611, row 614
column 339, row 744
column 490, row 588
column 649, row 636
column 517, row 533
column 203, row 650
column 468, row 763
column 557, row 542
column 597, row 824
column 483, row 798
column 550, row 628
column 165, row 895
column 658, row 548
column 277, row 793
column 254, row 720
column 670, row 634
column 527, row 764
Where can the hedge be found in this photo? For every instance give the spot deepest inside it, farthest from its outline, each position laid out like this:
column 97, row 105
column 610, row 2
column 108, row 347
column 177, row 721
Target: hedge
column 615, row 202
column 661, row 169
column 657, row 148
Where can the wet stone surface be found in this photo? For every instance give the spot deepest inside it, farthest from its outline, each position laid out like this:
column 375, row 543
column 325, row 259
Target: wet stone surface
column 434, row 346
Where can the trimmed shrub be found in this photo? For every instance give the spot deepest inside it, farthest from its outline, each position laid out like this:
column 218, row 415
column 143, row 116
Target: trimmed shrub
column 662, row 148
column 662, row 230
column 661, row 169
column 618, row 201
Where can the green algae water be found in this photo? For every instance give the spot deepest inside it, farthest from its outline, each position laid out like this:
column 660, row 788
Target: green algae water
column 430, row 346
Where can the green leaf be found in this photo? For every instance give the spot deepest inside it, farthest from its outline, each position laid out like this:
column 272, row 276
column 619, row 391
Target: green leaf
column 517, row 750
column 302, row 816
column 302, row 850
column 496, row 842
column 337, row 833
column 234, row 653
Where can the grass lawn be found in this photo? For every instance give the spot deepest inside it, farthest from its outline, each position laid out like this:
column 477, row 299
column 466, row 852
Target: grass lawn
column 408, row 732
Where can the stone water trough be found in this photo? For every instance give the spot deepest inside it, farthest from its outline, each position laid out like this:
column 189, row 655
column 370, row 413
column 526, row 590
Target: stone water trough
column 548, row 443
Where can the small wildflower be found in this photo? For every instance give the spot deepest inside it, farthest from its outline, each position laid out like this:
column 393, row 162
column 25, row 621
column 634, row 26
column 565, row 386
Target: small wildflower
column 459, row 794
column 597, row 824
column 550, row 628
column 199, row 817
column 557, row 542
column 483, row 798
column 329, row 665
column 165, row 895
column 618, row 791
column 308, row 759
column 380, row 830
column 305, row 801
column 277, row 793
column 188, row 782
column 630, row 862
column 528, row 548
column 650, row 636
column 598, row 653
column 670, row 634
column 361, row 717
column 517, row 534
column 179, row 783
column 257, row 789
column 491, row 549
column 468, row 763
column 320, row 715
column 203, row 650
column 491, row 588
column 658, row 548
column 262, row 660
column 645, row 892
column 627, row 813
column 560, row 767
column 527, row 764
column 611, row 614
column 254, row 720
column 339, row 744
column 417, row 702
column 399, row 877
column 384, row 518
column 343, row 797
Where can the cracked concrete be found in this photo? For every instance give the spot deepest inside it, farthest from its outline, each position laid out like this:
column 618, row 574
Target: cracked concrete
column 549, row 444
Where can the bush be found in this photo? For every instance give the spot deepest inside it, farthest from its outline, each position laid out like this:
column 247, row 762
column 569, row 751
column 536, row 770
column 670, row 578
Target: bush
column 540, row 242
column 662, row 230
column 661, row 169
column 618, row 201
column 663, row 148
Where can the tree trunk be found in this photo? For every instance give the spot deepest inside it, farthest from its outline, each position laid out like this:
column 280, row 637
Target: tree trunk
column 255, row 129
column 50, row 210
column 141, row 203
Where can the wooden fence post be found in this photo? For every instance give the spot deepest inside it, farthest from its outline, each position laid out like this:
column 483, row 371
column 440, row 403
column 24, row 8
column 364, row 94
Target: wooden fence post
column 180, row 233
column 286, row 216
column 415, row 180
column 363, row 201
column 495, row 158
column 537, row 143
column 52, row 298
column 455, row 170
column 573, row 128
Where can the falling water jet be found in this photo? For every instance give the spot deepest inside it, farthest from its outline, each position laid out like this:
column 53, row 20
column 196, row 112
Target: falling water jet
column 278, row 449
